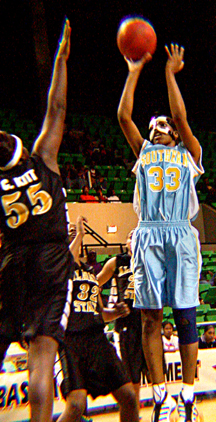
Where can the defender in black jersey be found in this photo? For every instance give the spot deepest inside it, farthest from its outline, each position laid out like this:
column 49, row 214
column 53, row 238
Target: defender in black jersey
column 36, row 266
column 89, row 361
column 130, row 327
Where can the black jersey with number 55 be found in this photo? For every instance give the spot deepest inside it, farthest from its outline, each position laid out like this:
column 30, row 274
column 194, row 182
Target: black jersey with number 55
column 32, row 203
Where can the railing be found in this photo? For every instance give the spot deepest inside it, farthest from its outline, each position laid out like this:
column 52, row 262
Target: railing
column 101, row 242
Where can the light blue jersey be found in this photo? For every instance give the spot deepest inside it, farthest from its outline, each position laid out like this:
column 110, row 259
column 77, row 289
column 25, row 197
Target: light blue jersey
column 165, row 187
column 166, row 257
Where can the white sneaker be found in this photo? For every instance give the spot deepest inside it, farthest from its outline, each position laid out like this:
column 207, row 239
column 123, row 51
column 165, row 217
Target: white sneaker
column 163, row 410
column 187, row 410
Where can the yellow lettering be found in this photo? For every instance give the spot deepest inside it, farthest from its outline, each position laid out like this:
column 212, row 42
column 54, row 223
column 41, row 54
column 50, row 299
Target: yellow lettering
column 167, row 155
column 148, row 158
column 143, row 160
column 5, row 185
column 154, row 156
column 160, row 154
column 185, row 163
column 173, row 156
column 178, row 158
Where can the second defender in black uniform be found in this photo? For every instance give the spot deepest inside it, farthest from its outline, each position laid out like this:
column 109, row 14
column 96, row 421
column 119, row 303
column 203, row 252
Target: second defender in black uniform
column 89, row 361
column 129, row 328
column 36, row 285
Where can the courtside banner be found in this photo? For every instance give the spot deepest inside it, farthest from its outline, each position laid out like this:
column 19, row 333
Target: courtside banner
column 14, row 406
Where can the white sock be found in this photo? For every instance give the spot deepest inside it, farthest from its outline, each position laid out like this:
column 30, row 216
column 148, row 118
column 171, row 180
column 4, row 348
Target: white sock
column 187, row 392
column 159, row 391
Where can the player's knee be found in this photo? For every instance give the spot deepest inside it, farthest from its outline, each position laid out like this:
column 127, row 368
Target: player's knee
column 75, row 405
column 185, row 320
column 151, row 320
column 38, row 394
column 127, row 396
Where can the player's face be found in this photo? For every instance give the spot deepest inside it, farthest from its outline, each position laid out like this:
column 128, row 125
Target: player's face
column 168, row 330
column 209, row 335
column 161, row 132
column 128, row 242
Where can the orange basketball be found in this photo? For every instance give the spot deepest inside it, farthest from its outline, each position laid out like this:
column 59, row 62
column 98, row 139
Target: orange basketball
column 135, row 37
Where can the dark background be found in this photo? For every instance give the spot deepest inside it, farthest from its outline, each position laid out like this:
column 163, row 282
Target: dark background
column 96, row 69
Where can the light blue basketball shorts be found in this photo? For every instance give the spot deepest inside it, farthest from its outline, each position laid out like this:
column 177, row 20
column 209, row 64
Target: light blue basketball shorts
column 166, row 262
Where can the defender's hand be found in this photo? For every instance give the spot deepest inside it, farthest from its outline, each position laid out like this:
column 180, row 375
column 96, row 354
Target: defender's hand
column 175, row 55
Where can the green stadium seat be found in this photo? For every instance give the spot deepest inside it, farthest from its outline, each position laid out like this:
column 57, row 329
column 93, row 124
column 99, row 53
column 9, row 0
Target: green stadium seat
column 202, row 309
column 129, row 185
column 203, row 288
column 118, row 185
column 123, row 173
column 206, row 253
column 210, row 296
column 211, row 315
column 72, row 197
column 167, row 311
column 125, row 197
column 111, row 173
column 200, row 318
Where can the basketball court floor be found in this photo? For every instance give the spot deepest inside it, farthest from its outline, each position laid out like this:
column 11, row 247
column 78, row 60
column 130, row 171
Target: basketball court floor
column 206, row 408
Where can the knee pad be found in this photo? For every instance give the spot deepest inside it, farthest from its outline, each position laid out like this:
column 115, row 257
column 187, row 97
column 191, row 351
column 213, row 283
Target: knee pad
column 185, row 320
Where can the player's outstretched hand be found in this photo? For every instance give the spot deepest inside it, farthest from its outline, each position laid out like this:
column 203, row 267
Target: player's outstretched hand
column 80, row 226
column 138, row 65
column 175, row 55
column 64, row 44
column 122, row 310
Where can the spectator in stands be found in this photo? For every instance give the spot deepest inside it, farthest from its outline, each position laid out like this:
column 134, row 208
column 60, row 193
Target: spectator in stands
column 92, row 175
column 111, row 195
column 85, row 197
column 209, row 190
column 92, row 260
column 99, row 195
column 170, row 341
column 207, row 340
column 213, row 280
column 203, row 279
column 101, row 181
column 81, row 180
column 69, row 175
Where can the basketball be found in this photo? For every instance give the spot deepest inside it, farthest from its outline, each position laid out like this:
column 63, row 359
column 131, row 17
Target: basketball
column 135, row 37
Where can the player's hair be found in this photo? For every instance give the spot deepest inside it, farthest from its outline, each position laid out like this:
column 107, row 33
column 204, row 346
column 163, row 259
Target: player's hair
column 208, row 327
column 166, row 322
column 7, row 146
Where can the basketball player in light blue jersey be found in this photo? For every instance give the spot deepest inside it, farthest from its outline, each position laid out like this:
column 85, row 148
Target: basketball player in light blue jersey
column 166, row 254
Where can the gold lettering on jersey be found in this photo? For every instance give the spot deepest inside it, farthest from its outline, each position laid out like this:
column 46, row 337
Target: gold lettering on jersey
column 84, row 276
column 5, row 185
column 129, row 293
column 160, row 154
column 124, row 270
column 91, row 306
column 148, row 158
column 88, row 306
column 28, row 177
column 154, row 156
column 166, row 155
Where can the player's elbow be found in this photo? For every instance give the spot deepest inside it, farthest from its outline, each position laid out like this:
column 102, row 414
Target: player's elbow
column 123, row 118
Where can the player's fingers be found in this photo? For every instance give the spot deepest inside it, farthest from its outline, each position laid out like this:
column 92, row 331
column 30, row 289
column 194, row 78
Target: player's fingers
column 168, row 52
column 172, row 48
column 146, row 58
column 182, row 52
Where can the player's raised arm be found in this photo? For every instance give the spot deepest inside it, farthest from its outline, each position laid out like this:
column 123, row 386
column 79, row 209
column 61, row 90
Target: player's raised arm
column 79, row 234
column 49, row 140
column 126, row 104
column 174, row 65
column 107, row 271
